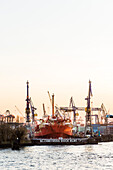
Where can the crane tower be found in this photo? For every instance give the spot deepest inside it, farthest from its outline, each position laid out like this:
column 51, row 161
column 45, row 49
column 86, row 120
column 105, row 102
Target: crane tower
column 88, row 126
column 28, row 105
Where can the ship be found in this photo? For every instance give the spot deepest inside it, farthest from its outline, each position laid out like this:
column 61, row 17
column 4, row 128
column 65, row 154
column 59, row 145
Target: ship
column 54, row 126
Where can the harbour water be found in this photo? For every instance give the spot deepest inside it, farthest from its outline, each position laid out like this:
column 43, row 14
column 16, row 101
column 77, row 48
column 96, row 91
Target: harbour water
column 83, row 157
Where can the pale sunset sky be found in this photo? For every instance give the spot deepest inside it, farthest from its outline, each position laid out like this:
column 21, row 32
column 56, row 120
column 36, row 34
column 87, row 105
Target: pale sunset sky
column 57, row 45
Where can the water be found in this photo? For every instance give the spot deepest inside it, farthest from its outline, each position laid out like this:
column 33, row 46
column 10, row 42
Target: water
column 89, row 157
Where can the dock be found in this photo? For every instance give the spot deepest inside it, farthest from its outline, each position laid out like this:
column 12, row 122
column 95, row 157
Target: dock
column 66, row 141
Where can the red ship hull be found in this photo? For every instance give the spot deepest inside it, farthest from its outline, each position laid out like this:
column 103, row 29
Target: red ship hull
column 53, row 130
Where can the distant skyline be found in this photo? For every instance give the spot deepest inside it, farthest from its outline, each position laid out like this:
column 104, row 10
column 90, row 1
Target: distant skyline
column 57, row 46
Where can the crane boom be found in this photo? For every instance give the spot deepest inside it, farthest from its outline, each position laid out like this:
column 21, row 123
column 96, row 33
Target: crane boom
column 49, row 97
column 19, row 111
column 74, row 108
column 32, row 109
column 44, row 109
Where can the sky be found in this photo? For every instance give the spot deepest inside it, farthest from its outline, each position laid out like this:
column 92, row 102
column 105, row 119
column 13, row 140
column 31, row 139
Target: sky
column 57, row 46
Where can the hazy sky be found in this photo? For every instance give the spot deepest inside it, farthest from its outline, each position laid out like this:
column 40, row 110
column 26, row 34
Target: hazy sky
column 57, row 46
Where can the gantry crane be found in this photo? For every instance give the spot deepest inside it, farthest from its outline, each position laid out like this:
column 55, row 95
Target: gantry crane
column 88, row 109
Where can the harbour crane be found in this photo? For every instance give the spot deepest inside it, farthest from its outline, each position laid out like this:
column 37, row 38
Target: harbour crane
column 88, row 127
column 87, row 109
column 72, row 104
column 104, row 114
column 32, row 110
column 28, row 104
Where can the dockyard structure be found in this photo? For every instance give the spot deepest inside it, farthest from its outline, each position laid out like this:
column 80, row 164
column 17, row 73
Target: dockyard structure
column 11, row 119
column 30, row 109
column 94, row 123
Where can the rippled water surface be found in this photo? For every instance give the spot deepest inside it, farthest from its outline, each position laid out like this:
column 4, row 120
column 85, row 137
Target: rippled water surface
column 97, row 157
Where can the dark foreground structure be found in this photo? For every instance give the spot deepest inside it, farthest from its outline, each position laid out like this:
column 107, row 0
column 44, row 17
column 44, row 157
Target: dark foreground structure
column 68, row 141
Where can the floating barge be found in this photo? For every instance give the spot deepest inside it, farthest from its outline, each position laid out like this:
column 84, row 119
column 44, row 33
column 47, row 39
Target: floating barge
column 65, row 141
